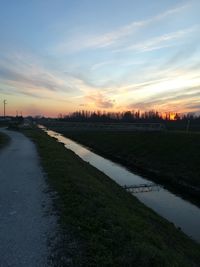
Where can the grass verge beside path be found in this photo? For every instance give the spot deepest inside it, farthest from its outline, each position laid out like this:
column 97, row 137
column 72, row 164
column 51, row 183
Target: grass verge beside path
column 112, row 227
column 170, row 158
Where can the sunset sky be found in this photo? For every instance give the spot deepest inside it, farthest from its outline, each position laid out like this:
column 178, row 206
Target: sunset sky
column 58, row 56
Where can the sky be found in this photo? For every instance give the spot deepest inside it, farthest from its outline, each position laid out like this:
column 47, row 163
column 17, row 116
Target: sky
column 59, row 56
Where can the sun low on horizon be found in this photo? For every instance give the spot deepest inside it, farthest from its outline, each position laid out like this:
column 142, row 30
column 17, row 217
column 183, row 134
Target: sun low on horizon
column 61, row 56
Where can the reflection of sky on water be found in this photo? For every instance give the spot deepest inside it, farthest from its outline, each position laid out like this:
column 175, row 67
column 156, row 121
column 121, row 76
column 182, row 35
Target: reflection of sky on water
column 182, row 213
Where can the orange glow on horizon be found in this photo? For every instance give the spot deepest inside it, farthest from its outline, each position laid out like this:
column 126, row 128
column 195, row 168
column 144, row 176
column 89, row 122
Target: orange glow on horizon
column 172, row 116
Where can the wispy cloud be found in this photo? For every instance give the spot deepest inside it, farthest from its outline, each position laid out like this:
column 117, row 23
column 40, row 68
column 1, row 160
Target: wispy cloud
column 99, row 100
column 167, row 88
column 175, row 94
column 32, row 79
column 119, row 63
column 101, row 64
column 159, row 42
column 166, row 99
column 85, row 41
column 35, row 81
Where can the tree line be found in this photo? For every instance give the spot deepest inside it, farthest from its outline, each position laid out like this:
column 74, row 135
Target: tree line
column 126, row 116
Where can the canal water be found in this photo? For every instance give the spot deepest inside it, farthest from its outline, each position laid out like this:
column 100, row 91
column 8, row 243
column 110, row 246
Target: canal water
column 175, row 209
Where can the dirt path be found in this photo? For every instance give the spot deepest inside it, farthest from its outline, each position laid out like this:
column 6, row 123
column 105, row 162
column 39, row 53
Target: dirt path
column 25, row 221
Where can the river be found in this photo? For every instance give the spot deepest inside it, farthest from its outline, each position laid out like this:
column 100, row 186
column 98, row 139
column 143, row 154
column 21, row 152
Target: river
column 182, row 213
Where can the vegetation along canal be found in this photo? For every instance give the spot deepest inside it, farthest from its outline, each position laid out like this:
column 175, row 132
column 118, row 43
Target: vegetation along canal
column 176, row 210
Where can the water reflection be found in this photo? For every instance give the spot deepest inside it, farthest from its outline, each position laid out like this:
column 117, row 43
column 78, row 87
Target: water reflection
column 181, row 212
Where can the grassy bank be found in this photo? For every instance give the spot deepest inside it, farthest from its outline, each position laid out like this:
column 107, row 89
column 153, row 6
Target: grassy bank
column 171, row 158
column 110, row 226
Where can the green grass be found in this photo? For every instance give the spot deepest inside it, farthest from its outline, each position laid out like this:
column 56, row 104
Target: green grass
column 112, row 228
column 171, row 158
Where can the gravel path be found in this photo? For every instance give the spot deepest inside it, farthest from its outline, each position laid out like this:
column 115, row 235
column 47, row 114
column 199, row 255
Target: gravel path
column 26, row 223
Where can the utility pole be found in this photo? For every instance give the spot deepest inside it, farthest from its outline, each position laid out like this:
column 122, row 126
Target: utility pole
column 188, row 125
column 4, row 110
